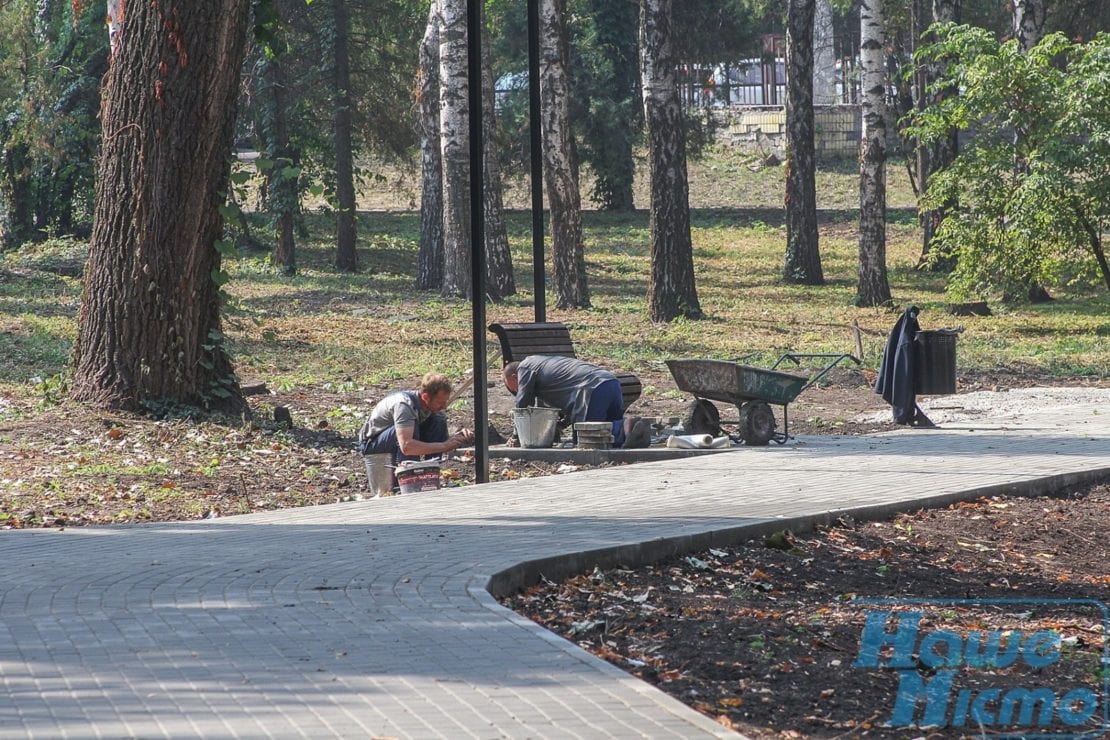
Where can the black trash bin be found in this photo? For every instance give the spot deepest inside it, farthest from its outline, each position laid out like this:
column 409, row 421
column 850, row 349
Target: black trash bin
column 935, row 362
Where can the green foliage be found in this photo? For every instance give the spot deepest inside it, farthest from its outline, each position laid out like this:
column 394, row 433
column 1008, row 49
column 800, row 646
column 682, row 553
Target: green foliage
column 50, row 67
column 1033, row 183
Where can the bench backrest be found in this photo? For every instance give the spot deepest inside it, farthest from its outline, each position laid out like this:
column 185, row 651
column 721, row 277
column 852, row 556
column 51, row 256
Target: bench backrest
column 550, row 338
column 520, row 340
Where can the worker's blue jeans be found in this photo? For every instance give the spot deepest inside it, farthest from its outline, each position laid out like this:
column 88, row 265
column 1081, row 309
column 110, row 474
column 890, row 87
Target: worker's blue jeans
column 607, row 404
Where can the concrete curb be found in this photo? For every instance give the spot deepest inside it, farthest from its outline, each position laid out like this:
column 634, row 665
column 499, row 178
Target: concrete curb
column 559, row 567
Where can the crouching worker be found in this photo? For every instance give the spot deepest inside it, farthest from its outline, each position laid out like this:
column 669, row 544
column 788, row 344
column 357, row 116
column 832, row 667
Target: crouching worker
column 411, row 424
column 581, row 392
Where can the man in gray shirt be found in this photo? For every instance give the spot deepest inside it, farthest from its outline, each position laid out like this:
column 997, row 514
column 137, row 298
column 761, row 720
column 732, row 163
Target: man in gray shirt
column 581, row 392
column 411, row 424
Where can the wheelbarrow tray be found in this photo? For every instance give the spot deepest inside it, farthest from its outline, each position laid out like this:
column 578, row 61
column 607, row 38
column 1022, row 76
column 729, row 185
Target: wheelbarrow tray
column 730, row 382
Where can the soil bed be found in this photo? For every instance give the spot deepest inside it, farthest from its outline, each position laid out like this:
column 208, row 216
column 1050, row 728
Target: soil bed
column 763, row 636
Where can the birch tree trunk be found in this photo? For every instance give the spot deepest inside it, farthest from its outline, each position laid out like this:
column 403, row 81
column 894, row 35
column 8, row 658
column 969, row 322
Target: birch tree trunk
column 559, row 168
column 346, row 253
column 803, row 258
column 873, row 288
column 1028, row 27
column 671, row 289
column 824, row 55
column 1028, row 22
column 429, row 274
column 149, row 325
column 499, row 261
column 941, row 154
column 454, row 113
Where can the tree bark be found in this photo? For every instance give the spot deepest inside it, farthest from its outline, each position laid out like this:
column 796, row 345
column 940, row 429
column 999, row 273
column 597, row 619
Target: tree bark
column 873, row 288
column 671, row 289
column 803, row 258
column 500, row 281
column 824, row 55
column 282, row 192
column 149, row 325
column 346, row 252
column 454, row 113
column 941, row 154
column 1028, row 22
column 429, row 274
column 559, row 167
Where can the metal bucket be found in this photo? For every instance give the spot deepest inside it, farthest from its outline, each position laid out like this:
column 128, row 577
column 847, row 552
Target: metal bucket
column 379, row 473
column 536, row 426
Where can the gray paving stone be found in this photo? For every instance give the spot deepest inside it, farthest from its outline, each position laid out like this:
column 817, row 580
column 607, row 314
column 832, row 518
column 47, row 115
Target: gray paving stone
column 371, row 618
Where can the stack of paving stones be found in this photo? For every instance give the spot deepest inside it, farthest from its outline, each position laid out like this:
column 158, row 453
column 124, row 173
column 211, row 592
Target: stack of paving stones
column 594, row 435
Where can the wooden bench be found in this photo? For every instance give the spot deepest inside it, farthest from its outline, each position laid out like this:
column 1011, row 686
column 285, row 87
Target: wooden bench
column 551, row 338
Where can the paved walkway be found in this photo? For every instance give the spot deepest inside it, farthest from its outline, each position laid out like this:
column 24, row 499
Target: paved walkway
column 372, row 618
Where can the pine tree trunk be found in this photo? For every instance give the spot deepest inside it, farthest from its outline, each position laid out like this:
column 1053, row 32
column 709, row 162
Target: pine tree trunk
column 824, row 55
column 149, row 326
column 281, row 189
column 500, row 281
column 873, row 288
column 346, row 253
column 559, row 166
column 17, row 208
column 803, row 258
column 671, row 289
column 455, row 148
column 941, row 154
column 429, row 274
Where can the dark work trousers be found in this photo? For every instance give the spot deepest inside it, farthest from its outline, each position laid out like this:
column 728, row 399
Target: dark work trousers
column 434, row 429
column 607, row 404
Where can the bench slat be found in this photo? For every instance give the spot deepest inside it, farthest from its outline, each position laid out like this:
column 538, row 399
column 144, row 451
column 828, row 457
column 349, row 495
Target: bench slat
column 552, row 338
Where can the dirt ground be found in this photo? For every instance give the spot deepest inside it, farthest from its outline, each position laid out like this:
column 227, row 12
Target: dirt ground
column 68, row 466
column 766, row 637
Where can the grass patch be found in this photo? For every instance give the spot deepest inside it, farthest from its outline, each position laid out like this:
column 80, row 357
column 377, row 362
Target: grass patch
column 342, row 332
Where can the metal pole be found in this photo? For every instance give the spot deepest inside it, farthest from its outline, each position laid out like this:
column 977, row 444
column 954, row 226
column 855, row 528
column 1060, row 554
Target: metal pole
column 539, row 283
column 477, row 239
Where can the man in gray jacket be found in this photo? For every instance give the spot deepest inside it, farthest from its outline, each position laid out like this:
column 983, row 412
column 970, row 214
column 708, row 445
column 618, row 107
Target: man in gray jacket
column 581, row 392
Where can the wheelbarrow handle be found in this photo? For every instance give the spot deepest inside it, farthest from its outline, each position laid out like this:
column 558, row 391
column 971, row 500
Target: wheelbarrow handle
column 834, row 360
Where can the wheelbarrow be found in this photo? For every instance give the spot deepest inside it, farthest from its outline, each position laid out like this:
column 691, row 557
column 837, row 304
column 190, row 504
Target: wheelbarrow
column 752, row 389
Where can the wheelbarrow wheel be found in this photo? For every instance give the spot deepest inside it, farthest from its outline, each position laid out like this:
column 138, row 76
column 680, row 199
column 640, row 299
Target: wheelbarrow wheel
column 702, row 417
column 757, row 423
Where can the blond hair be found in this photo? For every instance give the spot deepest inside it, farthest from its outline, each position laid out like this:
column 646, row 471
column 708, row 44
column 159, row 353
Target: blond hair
column 435, row 383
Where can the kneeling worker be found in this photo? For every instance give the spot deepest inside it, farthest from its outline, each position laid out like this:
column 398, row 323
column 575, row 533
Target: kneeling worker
column 581, row 392
column 411, row 424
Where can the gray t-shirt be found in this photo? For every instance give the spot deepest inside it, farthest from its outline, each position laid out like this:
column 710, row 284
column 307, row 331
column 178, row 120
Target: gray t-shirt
column 564, row 383
column 400, row 409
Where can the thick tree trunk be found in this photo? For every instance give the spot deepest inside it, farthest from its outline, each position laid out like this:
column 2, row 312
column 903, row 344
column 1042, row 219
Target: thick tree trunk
column 282, row 192
column 803, row 258
column 671, row 290
column 454, row 114
column 429, row 274
column 873, row 288
column 941, row 154
column 1028, row 22
column 346, row 253
column 149, row 326
column 559, row 167
column 499, row 261
column 824, row 55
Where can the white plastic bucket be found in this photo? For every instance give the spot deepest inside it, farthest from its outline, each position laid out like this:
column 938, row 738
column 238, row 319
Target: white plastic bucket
column 414, row 476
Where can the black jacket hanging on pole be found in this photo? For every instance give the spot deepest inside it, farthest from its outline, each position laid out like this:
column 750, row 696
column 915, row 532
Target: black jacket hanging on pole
column 896, row 373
